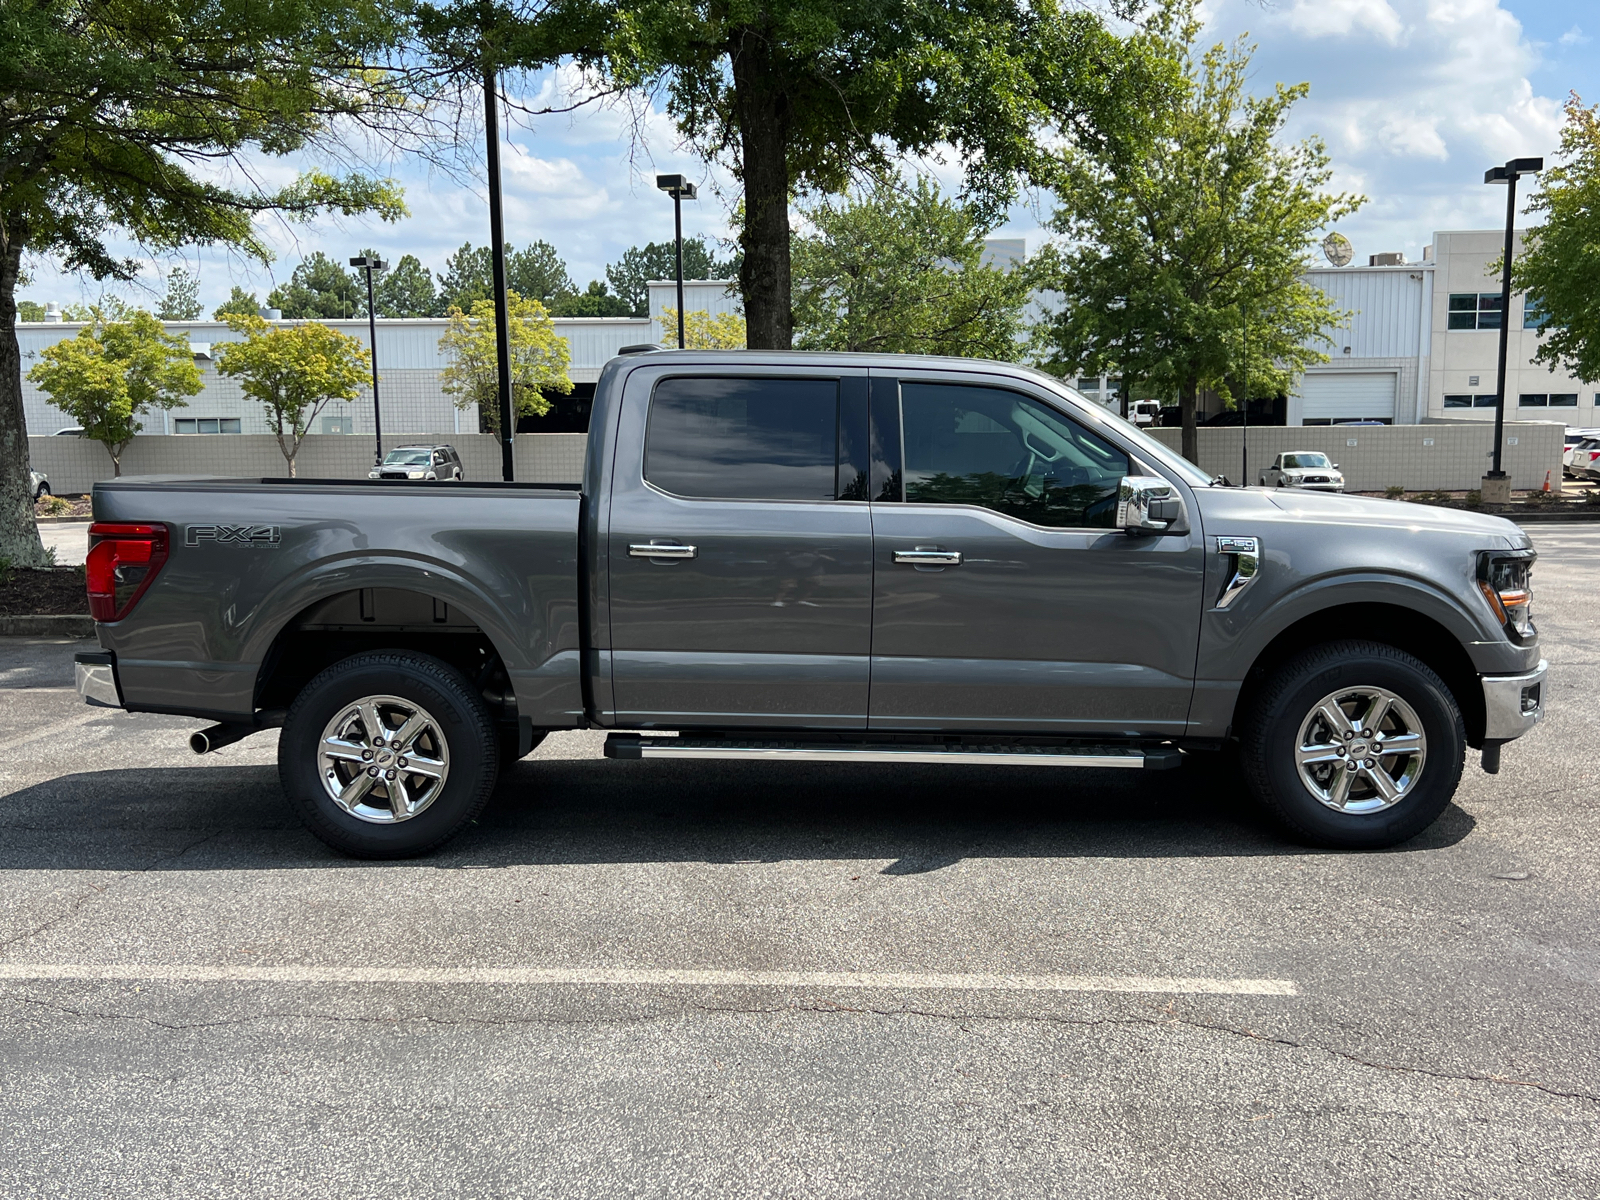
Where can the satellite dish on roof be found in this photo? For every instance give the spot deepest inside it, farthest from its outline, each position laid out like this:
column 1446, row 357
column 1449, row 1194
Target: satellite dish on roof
column 1336, row 248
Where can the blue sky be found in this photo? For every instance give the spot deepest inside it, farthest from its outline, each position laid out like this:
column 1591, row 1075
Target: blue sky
column 1415, row 98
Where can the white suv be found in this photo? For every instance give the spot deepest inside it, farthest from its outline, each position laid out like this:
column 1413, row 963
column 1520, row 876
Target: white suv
column 420, row 462
column 1308, row 469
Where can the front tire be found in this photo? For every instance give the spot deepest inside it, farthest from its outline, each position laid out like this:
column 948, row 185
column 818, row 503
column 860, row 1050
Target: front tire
column 388, row 754
column 1354, row 745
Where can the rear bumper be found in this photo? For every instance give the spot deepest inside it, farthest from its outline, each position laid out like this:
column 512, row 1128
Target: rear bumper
column 1513, row 704
column 96, row 676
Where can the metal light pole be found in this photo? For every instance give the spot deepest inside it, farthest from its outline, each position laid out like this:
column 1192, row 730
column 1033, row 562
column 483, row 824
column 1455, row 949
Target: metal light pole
column 680, row 189
column 497, row 256
column 1496, row 487
column 370, row 263
column 1244, row 428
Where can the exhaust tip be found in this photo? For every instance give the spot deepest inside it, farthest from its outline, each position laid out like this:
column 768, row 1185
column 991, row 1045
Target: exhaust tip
column 199, row 742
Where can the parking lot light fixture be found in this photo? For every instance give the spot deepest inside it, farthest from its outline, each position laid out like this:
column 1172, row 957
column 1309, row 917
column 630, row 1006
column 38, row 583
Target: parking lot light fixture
column 1499, row 491
column 680, row 189
column 370, row 264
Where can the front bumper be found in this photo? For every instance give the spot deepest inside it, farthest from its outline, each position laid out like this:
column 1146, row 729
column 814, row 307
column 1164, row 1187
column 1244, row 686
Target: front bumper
column 1513, row 704
column 1318, row 487
column 96, row 672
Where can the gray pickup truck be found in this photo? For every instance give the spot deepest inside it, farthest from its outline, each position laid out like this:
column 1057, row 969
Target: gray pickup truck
column 840, row 557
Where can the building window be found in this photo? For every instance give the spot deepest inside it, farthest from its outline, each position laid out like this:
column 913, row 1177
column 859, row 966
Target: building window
column 1539, row 400
column 1474, row 310
column 1533, row 314
column 1458, row 401
column 1088, row 383
column 1563, row 399
column 206, row 425
column 1484, row 401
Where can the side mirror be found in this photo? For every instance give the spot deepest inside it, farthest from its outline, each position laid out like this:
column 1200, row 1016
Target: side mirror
column 1145, row 505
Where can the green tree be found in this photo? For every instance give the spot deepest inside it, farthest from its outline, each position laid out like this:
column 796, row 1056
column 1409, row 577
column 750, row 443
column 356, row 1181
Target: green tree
column 594, row 301
column 120, row 117
column 293, row 372
column 239, row 303
column 631, row 275
column 30, row 310
column 901, row 271
column 404, row 290
column 799, row 95
column 1560, row 261
column 538, row 360
column 536, row 272
column 320, row 290
column 182, row 301
column 113, row 373
column 1186, row 242
column 702, row 331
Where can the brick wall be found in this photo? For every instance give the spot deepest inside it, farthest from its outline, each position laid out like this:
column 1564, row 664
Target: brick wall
column 1418, row 457
column 76, row 464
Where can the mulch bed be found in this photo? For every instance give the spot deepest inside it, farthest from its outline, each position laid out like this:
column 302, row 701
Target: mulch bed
column 81, row 507
column 52, row 591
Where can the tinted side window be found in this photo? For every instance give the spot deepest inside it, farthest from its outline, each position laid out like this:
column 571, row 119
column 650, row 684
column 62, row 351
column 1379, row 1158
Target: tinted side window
column 743, row 439
column 1004, row 451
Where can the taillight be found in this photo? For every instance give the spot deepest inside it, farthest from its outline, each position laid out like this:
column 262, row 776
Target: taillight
column 122, row 561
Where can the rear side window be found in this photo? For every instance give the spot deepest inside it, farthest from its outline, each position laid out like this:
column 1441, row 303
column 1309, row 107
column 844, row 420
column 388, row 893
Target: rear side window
column 1004, row 451
column 743, row 439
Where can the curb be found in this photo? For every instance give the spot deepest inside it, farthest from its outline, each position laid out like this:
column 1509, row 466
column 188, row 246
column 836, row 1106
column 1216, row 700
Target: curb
column 1555, row 518
column 43, row 625
column 64, row 520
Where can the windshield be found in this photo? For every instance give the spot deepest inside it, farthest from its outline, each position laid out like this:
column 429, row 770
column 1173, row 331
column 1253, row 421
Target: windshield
column 1290, row 461
column 406, row 458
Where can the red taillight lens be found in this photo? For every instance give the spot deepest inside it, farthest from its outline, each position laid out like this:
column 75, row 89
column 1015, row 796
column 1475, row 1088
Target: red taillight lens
column 122, row 561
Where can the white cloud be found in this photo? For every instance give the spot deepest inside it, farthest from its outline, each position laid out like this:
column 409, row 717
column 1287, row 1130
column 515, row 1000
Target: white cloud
column 1343, row 18
column 1573, row 37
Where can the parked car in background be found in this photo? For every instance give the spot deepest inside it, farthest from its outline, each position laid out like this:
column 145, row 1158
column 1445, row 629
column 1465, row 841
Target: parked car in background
column 1309, row 469
column 1144, row 412
column 38, row 485
column 1575, row 437
column 1586, row 459
column 69, row 431
column 420, row 462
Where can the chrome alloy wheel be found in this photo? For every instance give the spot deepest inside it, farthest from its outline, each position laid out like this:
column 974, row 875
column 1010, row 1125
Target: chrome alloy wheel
column 383, row 759
column 1361, row 750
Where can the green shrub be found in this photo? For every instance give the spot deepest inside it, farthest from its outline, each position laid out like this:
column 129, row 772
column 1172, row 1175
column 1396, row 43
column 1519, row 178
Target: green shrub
column 1395, row 491
column 54, row 506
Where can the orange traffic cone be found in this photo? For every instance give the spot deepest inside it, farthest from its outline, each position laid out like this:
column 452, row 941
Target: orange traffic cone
column 1546, row 487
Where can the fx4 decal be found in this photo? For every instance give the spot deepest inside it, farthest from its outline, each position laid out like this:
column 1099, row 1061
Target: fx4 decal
column 235, row 535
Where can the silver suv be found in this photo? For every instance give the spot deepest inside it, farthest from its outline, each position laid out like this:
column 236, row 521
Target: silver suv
column 1309, row 469
column 420, row 462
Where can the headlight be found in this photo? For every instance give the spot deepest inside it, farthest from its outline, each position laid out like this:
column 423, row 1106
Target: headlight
column 373, row 474
column 1506, row 581
column 415, row 474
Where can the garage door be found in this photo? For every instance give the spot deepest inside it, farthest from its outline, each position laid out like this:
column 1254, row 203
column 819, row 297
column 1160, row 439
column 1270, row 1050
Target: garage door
column 1346, row 396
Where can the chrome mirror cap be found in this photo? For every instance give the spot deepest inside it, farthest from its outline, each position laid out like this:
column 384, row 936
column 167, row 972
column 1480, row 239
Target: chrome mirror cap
column 1145, row 505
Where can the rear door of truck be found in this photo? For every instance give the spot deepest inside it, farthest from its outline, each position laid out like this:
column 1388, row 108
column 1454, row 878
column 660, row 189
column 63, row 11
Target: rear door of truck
column 739, row 548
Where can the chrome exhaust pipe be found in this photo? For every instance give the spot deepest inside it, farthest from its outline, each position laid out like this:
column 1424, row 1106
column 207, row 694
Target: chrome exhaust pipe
column 203, row 741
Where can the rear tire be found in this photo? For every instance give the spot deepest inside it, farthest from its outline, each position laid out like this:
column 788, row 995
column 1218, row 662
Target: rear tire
column 388, row 715
column 1329, row 773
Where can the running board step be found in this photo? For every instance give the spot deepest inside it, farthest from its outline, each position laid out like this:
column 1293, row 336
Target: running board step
column 1062, row 754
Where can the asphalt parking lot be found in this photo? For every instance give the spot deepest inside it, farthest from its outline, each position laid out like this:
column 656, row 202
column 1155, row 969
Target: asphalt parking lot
column 681, row 979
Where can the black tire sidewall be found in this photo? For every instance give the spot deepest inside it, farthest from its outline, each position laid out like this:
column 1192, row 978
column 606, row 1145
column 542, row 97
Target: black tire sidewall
column 1269, row 747
column 462, row 717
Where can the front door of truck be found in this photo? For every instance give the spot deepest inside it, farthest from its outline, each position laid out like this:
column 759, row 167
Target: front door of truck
column 1004, row 598
column 739, row 552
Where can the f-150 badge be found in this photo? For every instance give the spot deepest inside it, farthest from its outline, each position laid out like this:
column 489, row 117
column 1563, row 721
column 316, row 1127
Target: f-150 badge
column 233, row 535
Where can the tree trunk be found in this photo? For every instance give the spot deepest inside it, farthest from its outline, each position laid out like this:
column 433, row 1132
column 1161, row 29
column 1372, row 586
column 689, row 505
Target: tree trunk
column 763, row 112
column 1187, row 396
column 19, row 532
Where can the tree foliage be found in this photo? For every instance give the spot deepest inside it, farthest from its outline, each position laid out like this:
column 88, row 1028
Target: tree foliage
column 593, row 301
column 320, row 289
column 632, row 273
column 901, row 270
column 293, row 372
column 119, row 117
column 112, row 374
column 405, row 290
column 702, row 331
column 1186, row 242
column 182, row 299
column 1560, row 263
column 239, row 303
column 535, row 272
column 539, row 360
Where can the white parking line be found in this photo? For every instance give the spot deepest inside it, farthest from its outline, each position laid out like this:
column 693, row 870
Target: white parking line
column 648, row 977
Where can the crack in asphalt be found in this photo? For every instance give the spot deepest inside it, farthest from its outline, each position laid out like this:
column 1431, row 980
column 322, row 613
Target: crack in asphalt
column 75, row 905
column 1126, row 1022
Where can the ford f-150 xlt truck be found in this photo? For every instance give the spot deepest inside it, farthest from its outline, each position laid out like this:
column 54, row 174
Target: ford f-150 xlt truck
column 811, row 556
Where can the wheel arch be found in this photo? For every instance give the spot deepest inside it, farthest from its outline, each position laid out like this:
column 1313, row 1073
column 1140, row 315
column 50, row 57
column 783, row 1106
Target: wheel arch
column 1409, row 630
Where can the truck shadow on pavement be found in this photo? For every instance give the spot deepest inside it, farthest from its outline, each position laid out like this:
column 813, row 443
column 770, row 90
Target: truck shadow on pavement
column 591, row 811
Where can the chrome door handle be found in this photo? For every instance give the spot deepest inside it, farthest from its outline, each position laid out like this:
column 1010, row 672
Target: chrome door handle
column 642, row 550
column 929, row 558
